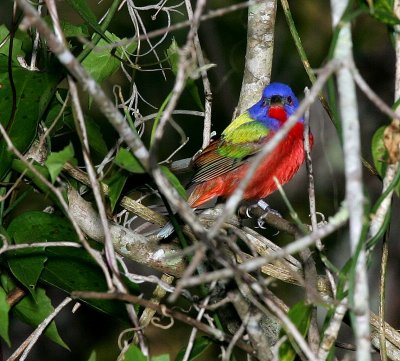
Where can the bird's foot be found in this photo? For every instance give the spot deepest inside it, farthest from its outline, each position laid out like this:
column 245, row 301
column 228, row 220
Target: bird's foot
column 266, row 208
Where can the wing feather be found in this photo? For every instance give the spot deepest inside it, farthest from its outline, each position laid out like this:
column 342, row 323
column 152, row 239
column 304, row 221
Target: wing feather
column 231, row 151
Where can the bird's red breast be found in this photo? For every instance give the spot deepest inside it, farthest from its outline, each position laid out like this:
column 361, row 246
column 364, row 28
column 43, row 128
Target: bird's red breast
column 282, row 163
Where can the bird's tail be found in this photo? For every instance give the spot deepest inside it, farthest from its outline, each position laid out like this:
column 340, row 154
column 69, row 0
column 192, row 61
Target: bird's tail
column 168, row 229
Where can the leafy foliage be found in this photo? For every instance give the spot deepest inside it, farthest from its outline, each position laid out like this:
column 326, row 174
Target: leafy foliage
column 33, row 92
column 300, row 315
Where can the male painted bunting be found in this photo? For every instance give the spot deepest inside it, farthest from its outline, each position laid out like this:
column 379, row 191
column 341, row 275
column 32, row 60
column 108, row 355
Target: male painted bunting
column 221, row 166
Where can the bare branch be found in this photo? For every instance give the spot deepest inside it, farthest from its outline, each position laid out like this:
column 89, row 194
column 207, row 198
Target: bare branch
column 22, row 351
column 334, row 223
column 206, row 82
column 259, row 52
column 353, row 173
column 128, row 203
column 331, row 332
column 163, row 310
column 130, row 244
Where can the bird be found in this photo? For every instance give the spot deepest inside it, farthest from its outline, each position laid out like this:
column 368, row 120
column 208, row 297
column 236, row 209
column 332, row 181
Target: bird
column 219, row 168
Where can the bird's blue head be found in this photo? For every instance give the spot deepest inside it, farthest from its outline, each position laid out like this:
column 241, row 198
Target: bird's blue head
column 277, row 103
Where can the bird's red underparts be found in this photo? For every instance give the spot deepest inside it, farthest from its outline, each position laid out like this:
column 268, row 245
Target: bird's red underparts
column 283, row 162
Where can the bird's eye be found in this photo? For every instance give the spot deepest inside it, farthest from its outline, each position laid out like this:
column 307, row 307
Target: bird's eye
column 289, row 100
column 265, row 102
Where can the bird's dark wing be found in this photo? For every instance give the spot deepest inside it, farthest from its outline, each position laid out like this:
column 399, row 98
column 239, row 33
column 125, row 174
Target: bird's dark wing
column 234, row 148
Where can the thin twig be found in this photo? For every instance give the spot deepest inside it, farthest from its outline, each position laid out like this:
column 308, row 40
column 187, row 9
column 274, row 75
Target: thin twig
column 302, row 53
column 382, row 293
column 331, row 332
column 27, row 345
column 334, row 223
column 238, row 334
column 246, row 307
column 180, row 80
column 184, row 24
column 13, row 247
column 291, row 329
column 194, row 331
column 206, row 82
column 82, row 132
column 310, row 273
column 163, row 310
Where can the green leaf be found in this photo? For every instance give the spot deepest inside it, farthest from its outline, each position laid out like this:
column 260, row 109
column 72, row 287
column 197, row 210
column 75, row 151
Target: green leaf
column 93, row 356
column 72, row 269
column 56, row 161
column 17, row 44
column 36, row 226
column 200, row 345
column 33, row 93
column 20, row 166
column 116, row 184
column 33, row 310
column 86, row 13
column 174, row 181
column 163, row 357
column 69, row 30
column 72, row 30
column 126, row 160
column 172, row 55
column 100, row 63
column 379, row 152
column 27, row 265
column 53, row 114
column 31, row 227
column 4, row 310
column 133, row 353
column 380, row 155
column 158, row 117
column 382, row 10
column 95, row 135
column 300, row 315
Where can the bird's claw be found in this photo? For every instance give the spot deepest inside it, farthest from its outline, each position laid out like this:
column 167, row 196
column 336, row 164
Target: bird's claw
column 260, row 221
column 266, row 208
column 323, row 220
column 248, row 210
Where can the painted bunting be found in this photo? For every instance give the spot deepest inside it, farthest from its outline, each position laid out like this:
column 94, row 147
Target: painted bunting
column 220, row 167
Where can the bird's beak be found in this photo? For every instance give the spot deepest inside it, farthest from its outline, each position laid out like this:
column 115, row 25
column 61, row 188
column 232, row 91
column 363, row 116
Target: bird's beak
column 277, row 101
column 277, row 108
